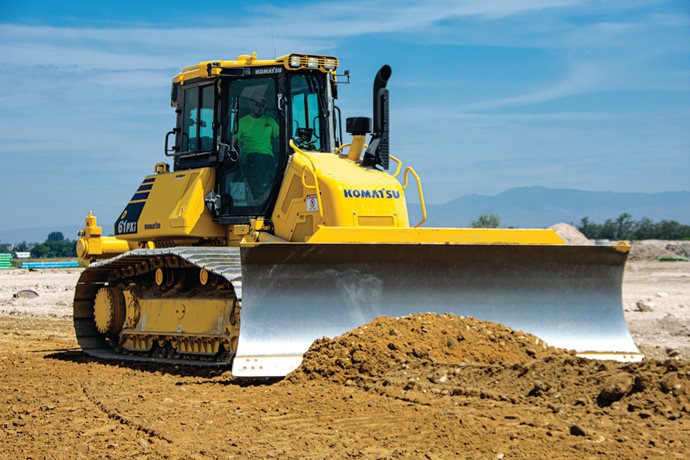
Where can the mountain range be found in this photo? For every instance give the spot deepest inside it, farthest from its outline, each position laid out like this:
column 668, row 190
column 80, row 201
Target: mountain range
column 540, row 207
column 525, row 207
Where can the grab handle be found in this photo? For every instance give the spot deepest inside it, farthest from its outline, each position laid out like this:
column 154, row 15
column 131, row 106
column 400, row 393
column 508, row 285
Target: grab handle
column 421, row 195
column 310, row 167
column 399, row 162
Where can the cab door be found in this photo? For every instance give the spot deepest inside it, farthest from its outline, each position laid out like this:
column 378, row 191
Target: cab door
column 254, row 132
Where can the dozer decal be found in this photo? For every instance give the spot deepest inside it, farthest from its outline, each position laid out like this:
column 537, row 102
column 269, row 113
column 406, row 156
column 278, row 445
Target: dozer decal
column 268, row 70
column 364, row 193
column 127, row 222
column 140, row 196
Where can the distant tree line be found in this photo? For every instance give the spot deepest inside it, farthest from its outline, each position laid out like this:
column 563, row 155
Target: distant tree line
column 624, row 228
column 54, row 246
column 486, row 221
column 621, row 228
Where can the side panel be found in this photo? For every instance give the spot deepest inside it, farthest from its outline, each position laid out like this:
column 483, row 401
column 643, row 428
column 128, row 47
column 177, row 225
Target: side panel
column 347, row 195
column 170, row 205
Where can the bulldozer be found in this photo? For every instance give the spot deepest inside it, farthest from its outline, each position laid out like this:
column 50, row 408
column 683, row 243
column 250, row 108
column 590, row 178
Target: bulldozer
column 266, row 231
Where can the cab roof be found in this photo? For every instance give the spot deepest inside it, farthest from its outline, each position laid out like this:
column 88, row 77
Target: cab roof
column 292, row 62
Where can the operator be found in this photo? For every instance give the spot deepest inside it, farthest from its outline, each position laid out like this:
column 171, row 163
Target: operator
column 256, row 133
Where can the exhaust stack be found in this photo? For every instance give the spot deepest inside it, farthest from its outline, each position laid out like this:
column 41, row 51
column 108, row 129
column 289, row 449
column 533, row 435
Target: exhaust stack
column 378, row 151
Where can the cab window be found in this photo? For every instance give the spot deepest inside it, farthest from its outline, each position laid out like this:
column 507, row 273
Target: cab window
column 206, row 119
column 197, row 119
column 306, row 111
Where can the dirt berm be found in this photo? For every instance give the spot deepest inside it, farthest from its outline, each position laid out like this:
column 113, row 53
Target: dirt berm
column 418, row 341
column 445, row 355
column 453, row 361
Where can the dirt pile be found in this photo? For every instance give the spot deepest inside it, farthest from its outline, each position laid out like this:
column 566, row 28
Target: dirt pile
column 389, row 344
column 655, row 249
column 570, row 234
column 424, row 357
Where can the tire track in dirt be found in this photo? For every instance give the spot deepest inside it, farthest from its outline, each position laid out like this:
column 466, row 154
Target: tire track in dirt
column 116, row 416
column 429, row 392
column 359, row 432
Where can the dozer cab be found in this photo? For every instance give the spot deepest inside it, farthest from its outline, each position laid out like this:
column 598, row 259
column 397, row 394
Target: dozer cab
column 269, row 232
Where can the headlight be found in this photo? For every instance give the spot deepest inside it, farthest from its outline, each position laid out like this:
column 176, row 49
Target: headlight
column 295, row 61
column 313, row 63
column 329, row 64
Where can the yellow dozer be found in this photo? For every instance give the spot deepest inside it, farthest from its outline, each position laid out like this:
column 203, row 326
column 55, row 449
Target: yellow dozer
column 269, row 232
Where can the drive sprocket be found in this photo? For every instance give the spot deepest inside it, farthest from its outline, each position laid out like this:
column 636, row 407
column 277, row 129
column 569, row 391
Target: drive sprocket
column 109, row 310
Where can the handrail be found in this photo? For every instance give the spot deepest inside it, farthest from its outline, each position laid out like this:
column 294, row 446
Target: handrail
column 397, row 170
column 421, row 195
column 294, row 146
column 337, row 151
column 312, row 170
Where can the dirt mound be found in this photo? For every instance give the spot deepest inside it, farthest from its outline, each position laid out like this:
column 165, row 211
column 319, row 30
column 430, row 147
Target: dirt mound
column 570, row 234
column 654, row 249
column 679, row 248
column 389, row 344
column 424, row 357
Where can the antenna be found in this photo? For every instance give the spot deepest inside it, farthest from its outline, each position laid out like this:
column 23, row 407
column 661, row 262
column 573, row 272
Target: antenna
column 273, row 45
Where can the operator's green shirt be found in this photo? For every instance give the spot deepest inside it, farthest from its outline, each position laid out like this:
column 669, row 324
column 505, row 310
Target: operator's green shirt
column 257, row 133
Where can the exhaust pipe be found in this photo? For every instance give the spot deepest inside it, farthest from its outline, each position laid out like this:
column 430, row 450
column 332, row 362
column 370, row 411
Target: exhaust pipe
column 378, row 151
column 380, row 82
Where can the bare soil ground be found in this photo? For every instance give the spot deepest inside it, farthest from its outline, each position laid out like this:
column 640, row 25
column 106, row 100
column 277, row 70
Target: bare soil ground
column 664, row 287
column 396, row 389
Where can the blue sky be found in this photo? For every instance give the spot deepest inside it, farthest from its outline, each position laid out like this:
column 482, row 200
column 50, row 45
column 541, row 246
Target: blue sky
column 485, row 96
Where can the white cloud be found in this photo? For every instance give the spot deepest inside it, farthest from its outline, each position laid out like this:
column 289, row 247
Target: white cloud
column 308, row 27
column 376, row 17
column 582, row 78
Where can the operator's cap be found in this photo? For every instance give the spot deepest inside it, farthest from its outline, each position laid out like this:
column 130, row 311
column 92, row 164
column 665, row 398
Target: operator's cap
column 255, row 92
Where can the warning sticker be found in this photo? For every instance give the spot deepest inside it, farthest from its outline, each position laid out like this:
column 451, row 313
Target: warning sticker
column 312, row 203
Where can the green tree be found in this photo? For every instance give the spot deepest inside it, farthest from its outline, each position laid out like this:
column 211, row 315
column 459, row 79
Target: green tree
column 54, row 246
column 671, row 230
column 645, row 229
column 589, row 229
column 624, row 227
column 56, row 236
column 22, row 247
column 486, row 221
column 41, row 251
